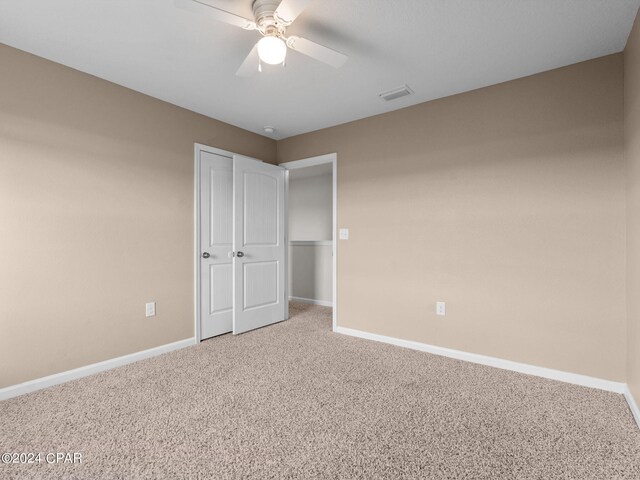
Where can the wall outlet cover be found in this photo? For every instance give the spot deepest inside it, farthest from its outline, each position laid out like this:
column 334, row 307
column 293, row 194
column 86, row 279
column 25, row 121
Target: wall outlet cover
column 441, row 309
column 344, row 234
column 151, row 309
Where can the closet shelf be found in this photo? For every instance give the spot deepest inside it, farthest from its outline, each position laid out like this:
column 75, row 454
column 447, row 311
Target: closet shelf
column 310, row 243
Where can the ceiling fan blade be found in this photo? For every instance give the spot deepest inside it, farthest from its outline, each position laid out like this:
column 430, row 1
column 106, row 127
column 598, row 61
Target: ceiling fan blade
column 203, row 8
column 316, row 51
column 288, row 10
column 250, row 64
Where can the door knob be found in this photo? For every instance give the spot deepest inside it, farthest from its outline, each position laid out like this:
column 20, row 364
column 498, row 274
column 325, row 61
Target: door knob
column 206, row 255
column 240, row 254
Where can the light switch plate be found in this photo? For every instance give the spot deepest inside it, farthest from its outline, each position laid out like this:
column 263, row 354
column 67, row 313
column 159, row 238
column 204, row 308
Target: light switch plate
column 344, row 234
column 151, row 309
column 441, row 309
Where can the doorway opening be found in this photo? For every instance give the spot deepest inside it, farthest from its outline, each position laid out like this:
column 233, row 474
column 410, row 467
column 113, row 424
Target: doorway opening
column 312, row 208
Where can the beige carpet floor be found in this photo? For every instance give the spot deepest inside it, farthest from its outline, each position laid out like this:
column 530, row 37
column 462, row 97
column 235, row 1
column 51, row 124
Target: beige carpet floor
column 295, row 400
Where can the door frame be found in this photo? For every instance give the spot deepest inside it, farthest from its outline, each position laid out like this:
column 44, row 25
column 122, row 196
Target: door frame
column 331, row 158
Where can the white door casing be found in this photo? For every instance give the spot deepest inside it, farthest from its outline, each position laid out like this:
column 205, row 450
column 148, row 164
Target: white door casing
column 216, row 237
column 259, row 268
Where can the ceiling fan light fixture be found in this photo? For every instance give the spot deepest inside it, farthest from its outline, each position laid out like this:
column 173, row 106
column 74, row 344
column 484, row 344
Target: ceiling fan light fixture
column 272, row 50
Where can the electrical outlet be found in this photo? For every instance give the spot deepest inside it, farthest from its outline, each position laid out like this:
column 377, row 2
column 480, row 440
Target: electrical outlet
column 344, row 234
column 151, row 309
column 441, row 309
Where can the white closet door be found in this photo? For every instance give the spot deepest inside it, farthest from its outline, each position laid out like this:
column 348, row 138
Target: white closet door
column 259, row 241
column 216, row 230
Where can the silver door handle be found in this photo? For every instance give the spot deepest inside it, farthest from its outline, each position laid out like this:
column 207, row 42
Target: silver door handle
column 206, row 255
column 240, row 254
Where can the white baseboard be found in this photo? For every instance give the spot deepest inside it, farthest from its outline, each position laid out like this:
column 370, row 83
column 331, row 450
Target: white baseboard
column 633, row 406
column 576, row 379
column 44, row 382
column 311, row 301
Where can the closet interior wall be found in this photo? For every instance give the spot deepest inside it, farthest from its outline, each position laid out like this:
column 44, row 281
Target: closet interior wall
column 310, row 234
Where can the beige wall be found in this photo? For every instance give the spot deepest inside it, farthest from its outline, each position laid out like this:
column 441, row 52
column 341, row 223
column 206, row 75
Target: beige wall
column 632, row 154
column 507, row 202
column 96, row 216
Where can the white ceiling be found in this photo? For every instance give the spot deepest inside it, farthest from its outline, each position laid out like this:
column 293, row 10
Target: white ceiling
column 437, row 47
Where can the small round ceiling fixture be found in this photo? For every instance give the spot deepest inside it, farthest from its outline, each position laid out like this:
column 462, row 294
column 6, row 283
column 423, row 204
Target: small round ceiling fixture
column 269, row 130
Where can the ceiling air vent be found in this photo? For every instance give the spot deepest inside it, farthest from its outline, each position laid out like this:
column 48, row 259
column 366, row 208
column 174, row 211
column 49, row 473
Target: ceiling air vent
column 402, row 91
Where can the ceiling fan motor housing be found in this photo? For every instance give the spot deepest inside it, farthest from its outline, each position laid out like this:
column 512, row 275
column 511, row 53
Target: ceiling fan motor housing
column 266, row 20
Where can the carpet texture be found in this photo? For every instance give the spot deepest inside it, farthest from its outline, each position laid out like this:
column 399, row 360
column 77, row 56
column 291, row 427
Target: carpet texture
column 295, row 400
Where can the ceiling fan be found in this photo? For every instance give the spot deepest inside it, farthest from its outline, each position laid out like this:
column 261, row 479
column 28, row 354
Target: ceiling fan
column 272, row 17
